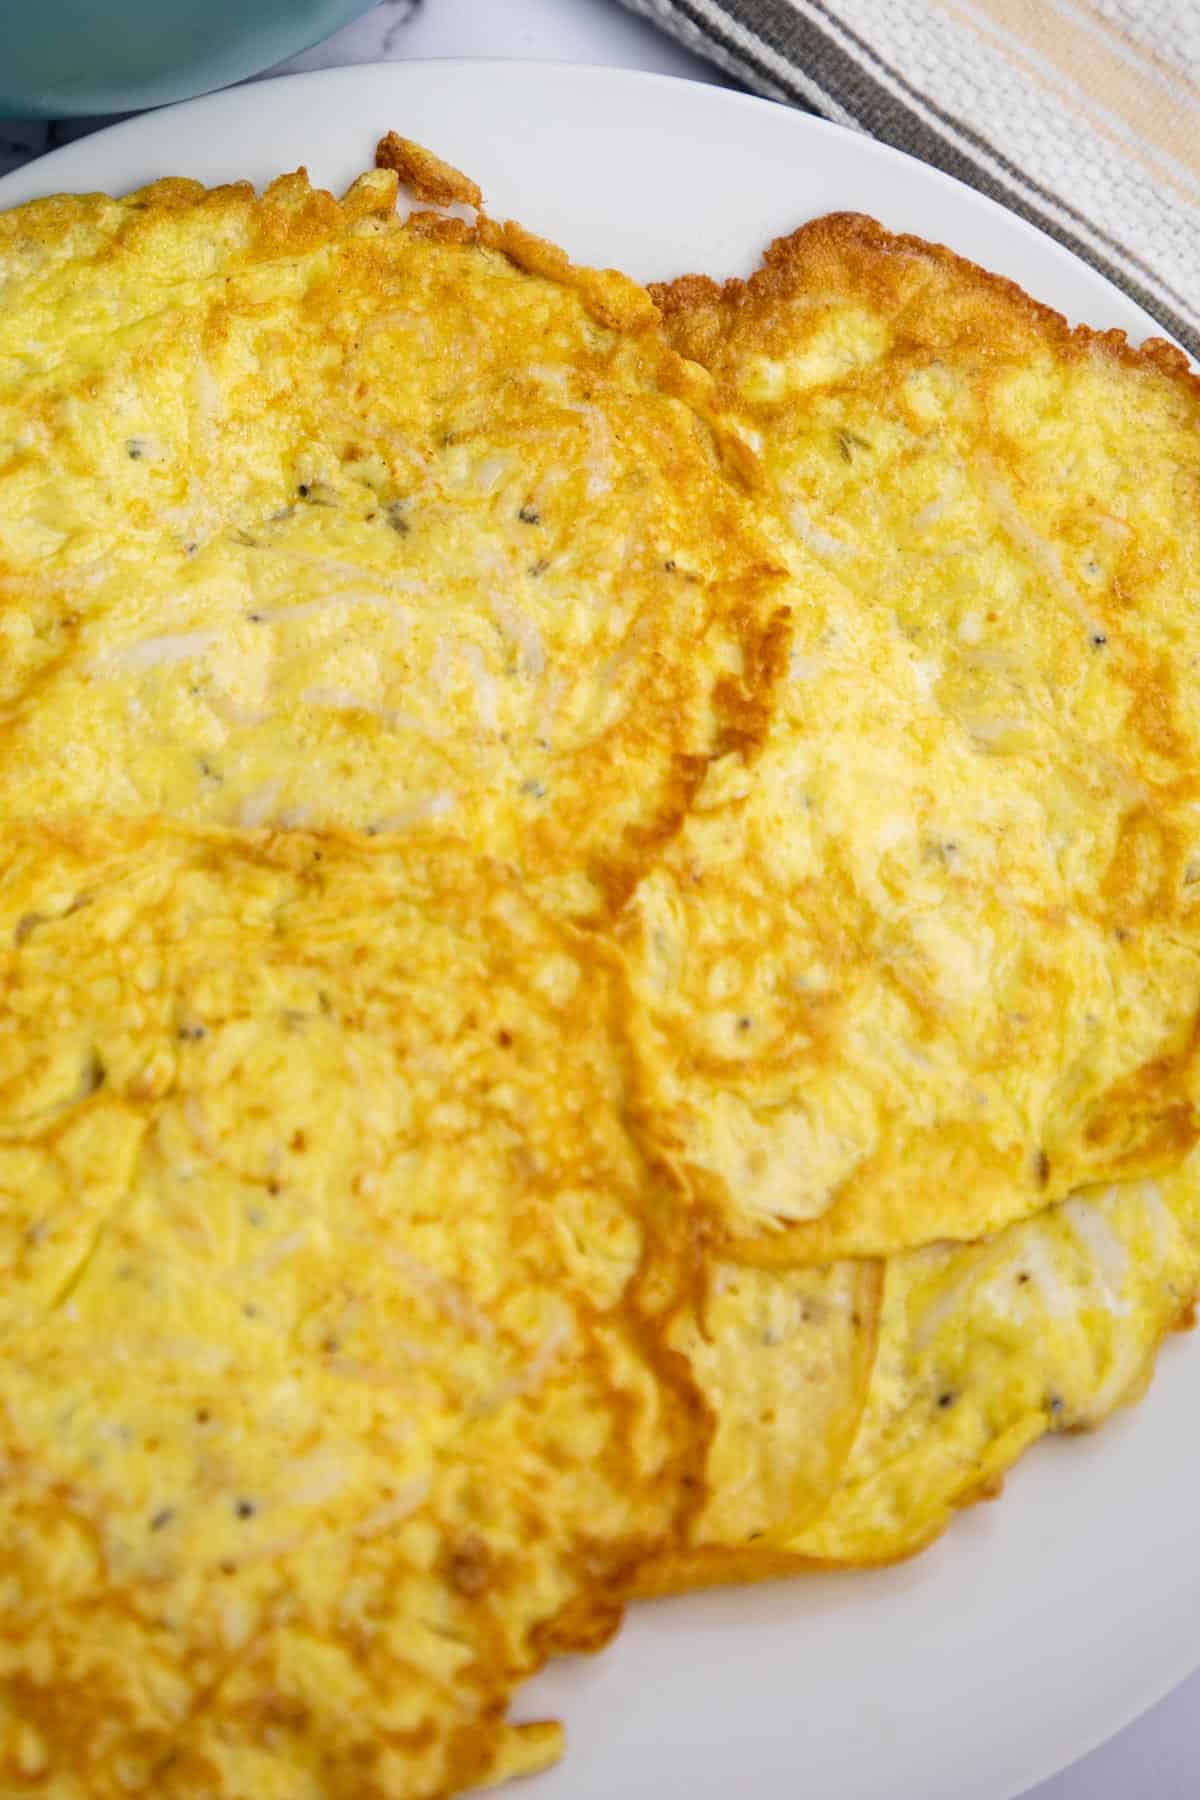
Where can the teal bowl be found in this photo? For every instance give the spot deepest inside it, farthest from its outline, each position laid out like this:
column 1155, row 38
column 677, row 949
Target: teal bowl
column 64, row 58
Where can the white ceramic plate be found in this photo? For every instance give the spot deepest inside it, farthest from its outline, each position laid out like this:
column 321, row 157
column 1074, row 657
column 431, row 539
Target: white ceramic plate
column 1037, row 1627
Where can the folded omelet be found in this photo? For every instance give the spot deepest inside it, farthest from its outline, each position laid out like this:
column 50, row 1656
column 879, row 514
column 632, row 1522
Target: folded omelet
column 328, row 1402
column 313, row 516
column 984, row 1348
column 980, row 1350
column 783, row 1361
column 932, row 960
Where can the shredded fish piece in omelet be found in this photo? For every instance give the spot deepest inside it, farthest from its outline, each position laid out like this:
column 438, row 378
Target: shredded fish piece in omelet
column 931, row 961
column 328, row 1403
column 310, row 516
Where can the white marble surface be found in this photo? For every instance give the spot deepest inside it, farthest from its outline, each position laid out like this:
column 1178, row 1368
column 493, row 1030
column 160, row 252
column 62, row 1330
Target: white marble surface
column 1155, row 1759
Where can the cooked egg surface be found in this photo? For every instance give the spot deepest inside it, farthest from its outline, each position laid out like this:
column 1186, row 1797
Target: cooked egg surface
column 309, row 516
column 783, row 1360
column 980, row 1350
column 327, row 1404
column 930, row 962
column 984, row 1348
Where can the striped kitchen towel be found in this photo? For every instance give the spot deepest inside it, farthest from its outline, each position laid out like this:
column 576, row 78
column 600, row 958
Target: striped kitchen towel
column 1081, row 115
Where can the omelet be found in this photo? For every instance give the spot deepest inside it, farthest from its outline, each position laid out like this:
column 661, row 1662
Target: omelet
column 984, row 1348
column 329, row 1403
column 980, row 1351
column 311, row 516
column 598, row 977
column 930, row 962
column 783, row 1361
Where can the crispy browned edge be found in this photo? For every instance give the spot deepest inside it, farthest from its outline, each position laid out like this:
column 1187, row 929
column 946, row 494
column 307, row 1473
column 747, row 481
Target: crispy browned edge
column 689, row 303
column 613, row 299
column 291, row 216
column 436, row 182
